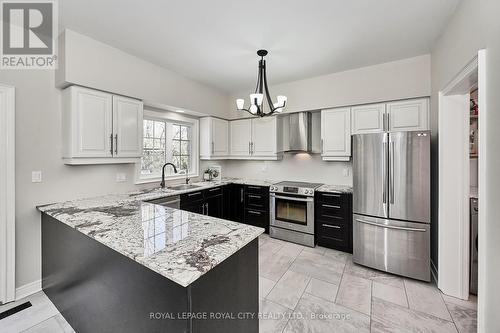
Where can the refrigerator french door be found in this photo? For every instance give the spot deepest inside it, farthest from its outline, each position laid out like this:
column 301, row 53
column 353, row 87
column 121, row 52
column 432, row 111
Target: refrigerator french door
column 391, row 202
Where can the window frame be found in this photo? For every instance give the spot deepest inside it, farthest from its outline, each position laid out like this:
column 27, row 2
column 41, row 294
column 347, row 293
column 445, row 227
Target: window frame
column 195, row 143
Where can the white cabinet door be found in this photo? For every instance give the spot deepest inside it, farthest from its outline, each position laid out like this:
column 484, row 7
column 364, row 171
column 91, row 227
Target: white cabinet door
column 264, row 137
column 220, row 137
column 241, row 137
column 411, row 115
column 367, row 118
column 90, row 128
column 336, row 134
column 127, row 127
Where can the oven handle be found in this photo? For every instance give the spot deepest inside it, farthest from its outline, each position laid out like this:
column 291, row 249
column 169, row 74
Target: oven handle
column 292, row 198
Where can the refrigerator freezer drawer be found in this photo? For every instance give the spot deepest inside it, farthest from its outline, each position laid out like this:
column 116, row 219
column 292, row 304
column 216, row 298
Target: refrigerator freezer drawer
column 396, row 247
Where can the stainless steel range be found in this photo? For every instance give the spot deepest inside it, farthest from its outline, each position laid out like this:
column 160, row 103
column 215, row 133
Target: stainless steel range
column 292, row 212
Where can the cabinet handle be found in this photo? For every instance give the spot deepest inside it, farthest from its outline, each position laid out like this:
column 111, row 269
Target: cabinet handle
column 252, row 149
column 206, row 211
column 241, row 194
column 254, row 187
column 111, row 139
column 116, row 144
column 331, row 195
column 254, row 212
column 191, row 194
column 249, row 148
column 330, row 226
column 254, row 196
column 214, row 189
column 330, row 206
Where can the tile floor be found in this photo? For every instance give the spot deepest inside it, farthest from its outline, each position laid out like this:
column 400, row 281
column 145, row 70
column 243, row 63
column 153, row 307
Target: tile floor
column 313, row 290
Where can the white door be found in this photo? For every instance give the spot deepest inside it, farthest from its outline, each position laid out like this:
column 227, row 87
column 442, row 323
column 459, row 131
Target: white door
column 220, row 137
column 368, row 118
column 127, row 127
column 336, row 134
column 241, row 137
column 411, row 115
column 264, row 137
column 92, row 122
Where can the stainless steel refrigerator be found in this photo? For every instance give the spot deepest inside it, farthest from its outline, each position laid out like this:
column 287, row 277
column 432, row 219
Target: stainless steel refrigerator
column 391, row 202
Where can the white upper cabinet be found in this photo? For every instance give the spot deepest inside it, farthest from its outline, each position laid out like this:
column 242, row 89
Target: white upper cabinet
column 368, row 118
column 256, row 139
column 241, row 137
column 127, row 126
column 407, row 115
column 264, row 137
column 214, row 138
column 336, row 134
column 411, row 115
column 100, row 128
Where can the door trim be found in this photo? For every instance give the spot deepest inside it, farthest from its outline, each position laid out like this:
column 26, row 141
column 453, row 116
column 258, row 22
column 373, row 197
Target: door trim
column 7, row 195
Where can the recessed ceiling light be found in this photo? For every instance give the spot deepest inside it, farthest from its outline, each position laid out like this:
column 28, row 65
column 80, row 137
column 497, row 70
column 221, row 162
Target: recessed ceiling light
column 180, row 111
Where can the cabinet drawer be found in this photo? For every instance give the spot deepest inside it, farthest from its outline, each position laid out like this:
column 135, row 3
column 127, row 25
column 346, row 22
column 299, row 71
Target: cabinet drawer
column 193, row 196
column 333, row 235
column 212, row 192
column 257, row 218
column 329, row 198
column 257, row 201
column 254, row 189
column 328, row 210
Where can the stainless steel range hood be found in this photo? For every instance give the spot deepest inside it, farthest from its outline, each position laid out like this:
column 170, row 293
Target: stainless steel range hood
column 300, row 132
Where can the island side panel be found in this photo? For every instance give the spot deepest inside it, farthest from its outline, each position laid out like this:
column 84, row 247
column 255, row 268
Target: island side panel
column 97, row 289
column 230, row 289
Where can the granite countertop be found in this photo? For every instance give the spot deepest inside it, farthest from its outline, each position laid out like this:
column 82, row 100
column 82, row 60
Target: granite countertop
column 179, row 245
column 334, row 188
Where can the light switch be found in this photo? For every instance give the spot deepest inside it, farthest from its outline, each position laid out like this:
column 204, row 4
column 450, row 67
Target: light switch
column 345, row 172
column 36, row 176
column 121, row 177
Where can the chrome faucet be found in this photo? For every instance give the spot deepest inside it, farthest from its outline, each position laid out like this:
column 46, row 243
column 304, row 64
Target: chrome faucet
column 162, row 184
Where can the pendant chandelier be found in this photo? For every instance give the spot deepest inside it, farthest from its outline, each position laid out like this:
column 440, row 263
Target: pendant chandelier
column 256, row 107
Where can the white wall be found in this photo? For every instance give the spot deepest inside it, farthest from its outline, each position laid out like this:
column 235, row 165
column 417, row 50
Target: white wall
column 38, row 135
column 489, row 267
column 297, row 167
column 389, row 81
column 454, row 49
column 88, row 62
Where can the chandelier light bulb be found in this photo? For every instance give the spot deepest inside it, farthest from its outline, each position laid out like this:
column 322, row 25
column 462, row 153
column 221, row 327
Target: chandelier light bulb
column 281, row 100
column 253, row 109
column 240, row 103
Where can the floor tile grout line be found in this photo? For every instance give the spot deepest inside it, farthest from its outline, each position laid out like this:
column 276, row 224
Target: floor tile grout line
column 406, row 294
column 40, row 322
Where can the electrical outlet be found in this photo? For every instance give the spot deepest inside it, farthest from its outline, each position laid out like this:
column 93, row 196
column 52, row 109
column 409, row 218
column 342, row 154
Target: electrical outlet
column 36, row 176
column 345, row 172
column 121, row 177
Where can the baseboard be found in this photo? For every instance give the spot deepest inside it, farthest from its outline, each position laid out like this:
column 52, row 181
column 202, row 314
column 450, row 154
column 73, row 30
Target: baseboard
column 434, row 272
column 28, row 289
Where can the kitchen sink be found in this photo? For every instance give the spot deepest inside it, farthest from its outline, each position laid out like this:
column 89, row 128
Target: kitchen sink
column 183, row 187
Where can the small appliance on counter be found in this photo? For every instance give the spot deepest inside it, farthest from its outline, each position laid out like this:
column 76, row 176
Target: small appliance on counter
column 292, row 212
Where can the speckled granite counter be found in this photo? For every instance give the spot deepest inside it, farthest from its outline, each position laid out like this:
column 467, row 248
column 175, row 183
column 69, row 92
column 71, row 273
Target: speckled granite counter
column 335, row 189
column 179, row 245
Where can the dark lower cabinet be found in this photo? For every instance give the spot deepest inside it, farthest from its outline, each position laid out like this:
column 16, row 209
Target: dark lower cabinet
column 333, row 220
column 257, row 218
column 234, row 202
column 214, row 206
column 257, row 206
column 207, row 202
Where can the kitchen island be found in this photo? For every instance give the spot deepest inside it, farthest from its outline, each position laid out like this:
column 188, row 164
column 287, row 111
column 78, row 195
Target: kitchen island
column 118, row 264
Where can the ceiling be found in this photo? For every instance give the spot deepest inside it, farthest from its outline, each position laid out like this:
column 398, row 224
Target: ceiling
column 215, row 42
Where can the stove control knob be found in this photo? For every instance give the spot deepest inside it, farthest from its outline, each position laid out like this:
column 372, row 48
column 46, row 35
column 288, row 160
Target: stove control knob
column 306, row 191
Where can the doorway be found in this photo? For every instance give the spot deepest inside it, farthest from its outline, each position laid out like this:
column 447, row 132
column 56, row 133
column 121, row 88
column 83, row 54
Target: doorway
column 459, row 170
column 7, row 194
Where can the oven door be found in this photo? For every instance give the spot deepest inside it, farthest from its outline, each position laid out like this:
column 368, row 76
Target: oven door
column 292, row 212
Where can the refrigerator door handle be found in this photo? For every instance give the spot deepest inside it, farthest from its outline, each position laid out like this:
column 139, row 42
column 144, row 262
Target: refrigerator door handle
column 391, row 172
column 391, row 226
column 384, row 167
